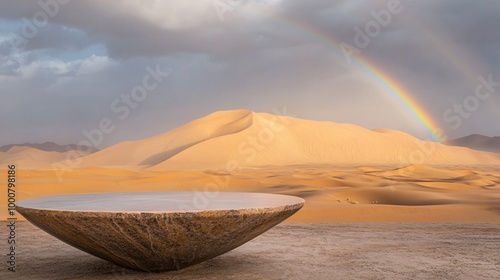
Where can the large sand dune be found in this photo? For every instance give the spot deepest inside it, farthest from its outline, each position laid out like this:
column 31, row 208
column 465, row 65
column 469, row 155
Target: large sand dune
column 243, row 138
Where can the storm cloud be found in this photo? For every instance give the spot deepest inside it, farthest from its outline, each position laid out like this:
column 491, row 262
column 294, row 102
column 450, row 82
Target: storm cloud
column 65, row 66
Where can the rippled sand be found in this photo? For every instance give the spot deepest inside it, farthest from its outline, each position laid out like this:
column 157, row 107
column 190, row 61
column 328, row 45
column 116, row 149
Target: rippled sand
column 457, row 194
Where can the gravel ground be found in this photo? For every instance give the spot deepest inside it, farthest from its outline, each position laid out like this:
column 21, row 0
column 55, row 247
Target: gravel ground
column 294, row 251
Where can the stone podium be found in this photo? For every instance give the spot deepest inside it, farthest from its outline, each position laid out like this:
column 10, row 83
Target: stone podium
column 158, row 231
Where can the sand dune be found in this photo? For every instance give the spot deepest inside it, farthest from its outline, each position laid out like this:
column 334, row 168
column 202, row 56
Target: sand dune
column 426, row 173
column 27, row 157
column 244, row 138
column 152, row 151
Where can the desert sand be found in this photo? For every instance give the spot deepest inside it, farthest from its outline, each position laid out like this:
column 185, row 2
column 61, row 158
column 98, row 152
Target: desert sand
column 463, row 194
column 297, row 251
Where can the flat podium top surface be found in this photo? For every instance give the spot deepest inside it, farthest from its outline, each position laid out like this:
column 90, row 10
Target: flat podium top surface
column 160, row 201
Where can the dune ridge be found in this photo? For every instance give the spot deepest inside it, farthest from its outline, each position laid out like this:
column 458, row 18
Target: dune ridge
column 151, row 151
column 312, row 142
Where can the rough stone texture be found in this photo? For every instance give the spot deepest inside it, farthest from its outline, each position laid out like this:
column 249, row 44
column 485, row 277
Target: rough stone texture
column 164, row 237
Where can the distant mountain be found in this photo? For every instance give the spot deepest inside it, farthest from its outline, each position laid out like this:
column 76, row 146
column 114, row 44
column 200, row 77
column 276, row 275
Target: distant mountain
column 478, row 142
column 48, row 147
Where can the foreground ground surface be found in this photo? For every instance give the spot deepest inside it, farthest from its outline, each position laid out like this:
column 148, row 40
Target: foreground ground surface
column 296, row 251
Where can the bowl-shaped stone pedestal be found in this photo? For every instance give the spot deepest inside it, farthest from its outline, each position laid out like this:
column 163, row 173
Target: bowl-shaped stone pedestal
column 158, row 231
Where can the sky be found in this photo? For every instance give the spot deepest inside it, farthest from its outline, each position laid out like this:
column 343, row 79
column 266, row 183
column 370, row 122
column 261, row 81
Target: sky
column 123, row 70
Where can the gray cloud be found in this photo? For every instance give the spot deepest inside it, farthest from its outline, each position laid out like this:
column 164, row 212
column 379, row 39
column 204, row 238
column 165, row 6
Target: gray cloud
column 52, row 88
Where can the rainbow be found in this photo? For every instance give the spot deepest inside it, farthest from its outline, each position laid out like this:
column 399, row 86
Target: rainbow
column 402, row 95
column 382, row 78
